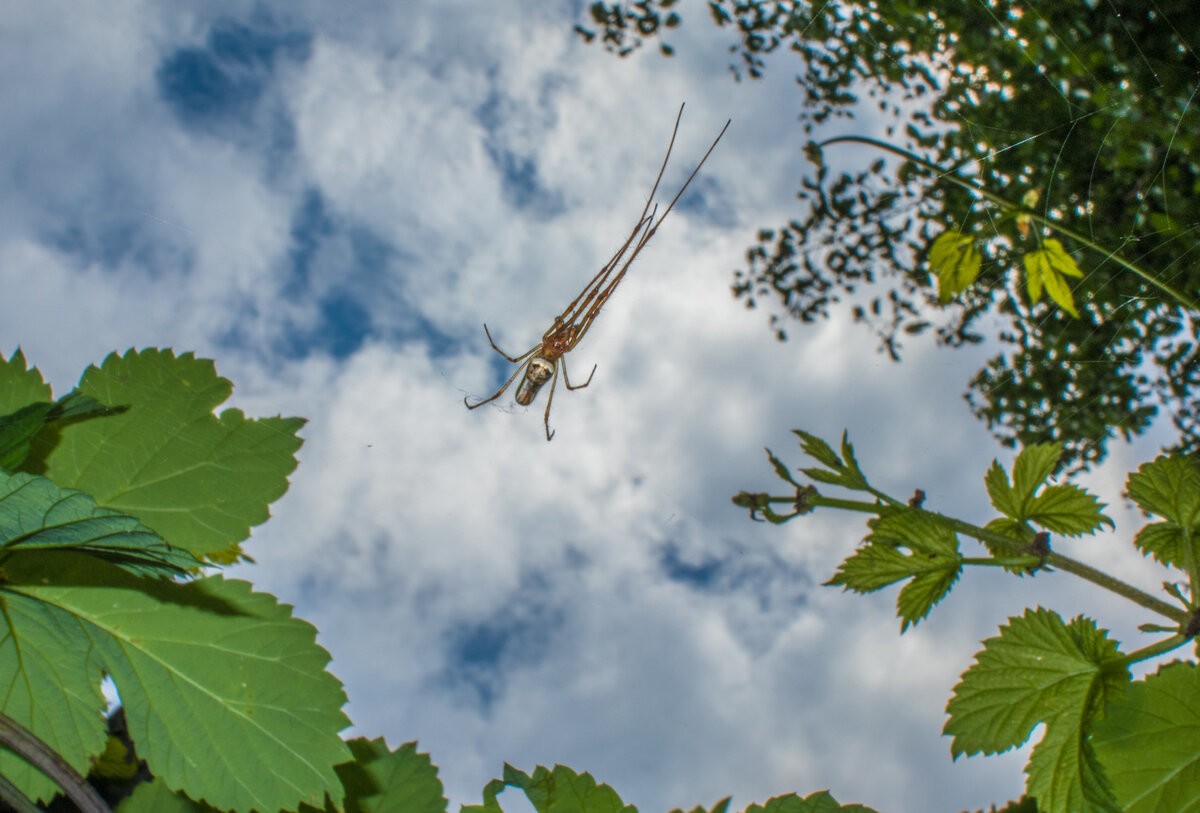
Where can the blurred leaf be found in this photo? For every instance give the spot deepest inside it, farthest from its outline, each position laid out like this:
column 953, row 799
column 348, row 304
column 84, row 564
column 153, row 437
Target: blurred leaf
column 955, row 262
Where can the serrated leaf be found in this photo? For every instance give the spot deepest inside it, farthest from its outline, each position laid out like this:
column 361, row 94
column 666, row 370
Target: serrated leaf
column 818, row 449
column 1032, row 467
column 1164, row 541
column 1037, row 670
column 781, row 471
column 380, row 780
column 1065, row 776
column 926, row 589
column 1168, row 487
column 819, row 802
column 35, row 514
column 1022, row 536
column 853, row 473
column 20, row 385
column 216, row 680
column 1000, row 492
column 1147, row 742
column 933, row 565
column 1041, row 670
column 720, row 807
column 1046, row 268
column 872, row 567
column 914, row 529
column 955, row 262
column 1067, row 509
column 155, row 797
column 559, row 790
column 200, row 481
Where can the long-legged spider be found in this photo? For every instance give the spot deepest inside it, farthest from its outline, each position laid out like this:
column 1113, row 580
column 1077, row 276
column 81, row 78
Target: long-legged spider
column 541, row 362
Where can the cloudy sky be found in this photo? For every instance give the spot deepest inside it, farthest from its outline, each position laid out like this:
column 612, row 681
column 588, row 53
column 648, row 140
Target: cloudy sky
column 330, row 200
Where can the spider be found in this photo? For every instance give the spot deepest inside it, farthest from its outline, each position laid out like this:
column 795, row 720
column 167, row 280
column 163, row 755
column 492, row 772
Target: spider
column 541, row 362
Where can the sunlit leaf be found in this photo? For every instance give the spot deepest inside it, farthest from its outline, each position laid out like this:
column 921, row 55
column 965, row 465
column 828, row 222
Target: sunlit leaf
column 955, row 262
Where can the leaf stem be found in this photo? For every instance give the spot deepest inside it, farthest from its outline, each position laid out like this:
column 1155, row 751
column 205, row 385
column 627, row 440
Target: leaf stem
column 1154, row 650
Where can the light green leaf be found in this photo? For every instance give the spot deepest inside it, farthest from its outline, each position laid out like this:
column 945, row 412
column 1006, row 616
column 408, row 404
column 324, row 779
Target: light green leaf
column 1038, row 670
column 955, row 262
column 18, row 429
column 1170, row 488
column 933, row 563
column 1000, row 492
column 1067, row 509
column 35, row 514
column 199, row 480
column 216, row 681
column 1046, row 268
column 1032, row 467
column 872, row 567
column 819, row 802
column 1147, row 742
column 1065, row 776
column 20, row 386
column 818, row 449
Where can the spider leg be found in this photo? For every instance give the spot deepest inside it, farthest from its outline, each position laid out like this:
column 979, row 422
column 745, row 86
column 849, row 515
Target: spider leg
column 549, row 401
column 507, row 357
column 567, row 378
column 505, row 386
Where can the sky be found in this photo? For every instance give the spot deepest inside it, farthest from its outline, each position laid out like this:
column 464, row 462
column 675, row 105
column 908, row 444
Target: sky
column 330, row 200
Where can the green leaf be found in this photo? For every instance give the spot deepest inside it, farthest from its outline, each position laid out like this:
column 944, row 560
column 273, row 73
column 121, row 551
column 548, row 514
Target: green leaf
column 216, row 681
column 156, row 797
column 720, row 807
column 20, row 386
column 1033, row 467
column 1046, row 268
column 933, row 564
column 819, row 802
column 955, row 262
column 1147, row 742
column 199, row 480
column 1067, row 509
column 558, row 790
column 35, row 514
column 1168, row 487
column 380, row 780
column 818, row 449
column 781, row 470
column 1000, row 492
column 1041, row 670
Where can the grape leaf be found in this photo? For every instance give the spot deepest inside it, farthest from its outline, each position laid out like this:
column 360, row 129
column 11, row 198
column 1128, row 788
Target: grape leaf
column 1169, row 487
column 1147, row 742
column 557, row 790
column 956, row 263
column 1041, row 670
column 199, row 480
column 18, row 429
column 216, row 681
column 35, row 514
column 720, row 807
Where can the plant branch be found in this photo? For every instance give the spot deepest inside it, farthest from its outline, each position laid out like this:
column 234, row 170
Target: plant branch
column 22, row 741
column 1037, row 217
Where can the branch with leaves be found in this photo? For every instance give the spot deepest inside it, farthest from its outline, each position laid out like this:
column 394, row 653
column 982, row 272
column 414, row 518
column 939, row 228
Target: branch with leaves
column 1110, row 743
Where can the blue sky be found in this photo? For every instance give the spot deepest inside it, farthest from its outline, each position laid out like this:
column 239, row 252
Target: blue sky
column 330, row 201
